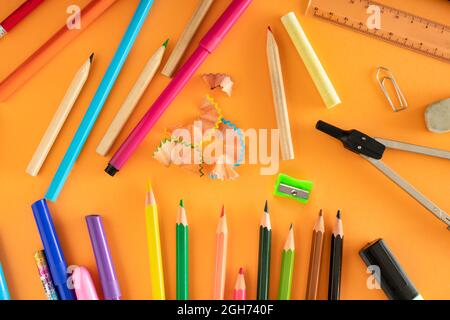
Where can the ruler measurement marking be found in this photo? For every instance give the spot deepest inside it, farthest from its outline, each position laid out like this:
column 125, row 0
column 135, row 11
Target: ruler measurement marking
column 413, row 44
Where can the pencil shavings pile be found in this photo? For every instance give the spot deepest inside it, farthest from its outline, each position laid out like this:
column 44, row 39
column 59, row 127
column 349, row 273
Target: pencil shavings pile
column 219, row 80
column 207, row 131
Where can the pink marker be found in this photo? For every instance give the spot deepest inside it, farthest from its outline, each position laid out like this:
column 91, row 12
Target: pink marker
column 207, row 45
column 84, row 286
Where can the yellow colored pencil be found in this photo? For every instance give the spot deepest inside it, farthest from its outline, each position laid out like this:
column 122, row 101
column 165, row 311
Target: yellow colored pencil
column 154, row 246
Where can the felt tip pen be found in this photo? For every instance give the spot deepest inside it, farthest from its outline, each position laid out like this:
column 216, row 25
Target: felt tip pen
column 99, row 100
column 4, row 292
column 207, row 45
column 53, row 251
column 105, row 265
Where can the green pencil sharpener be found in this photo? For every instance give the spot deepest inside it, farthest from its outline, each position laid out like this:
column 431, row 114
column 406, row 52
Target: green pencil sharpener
column 288, row 187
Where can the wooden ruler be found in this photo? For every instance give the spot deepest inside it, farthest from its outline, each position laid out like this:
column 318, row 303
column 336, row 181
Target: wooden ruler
column 396, row 26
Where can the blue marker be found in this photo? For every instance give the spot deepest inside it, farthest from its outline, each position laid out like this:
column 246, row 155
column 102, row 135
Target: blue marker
column 55, row 256
column 4, row 293
column 99, row 100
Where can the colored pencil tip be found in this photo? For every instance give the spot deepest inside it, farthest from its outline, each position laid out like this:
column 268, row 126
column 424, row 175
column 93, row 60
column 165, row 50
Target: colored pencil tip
column 266, row 207
column 338, row 214
column 182, row 203
column 91, row 57
column 222, row 214
column 241, row 271
column 269, row 28
column 291, row 227
column 149, row 185
column 166, row 43
column 321, row 213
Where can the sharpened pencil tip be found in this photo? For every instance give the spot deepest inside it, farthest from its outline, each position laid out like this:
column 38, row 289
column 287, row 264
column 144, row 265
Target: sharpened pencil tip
column 222, row 214
column 241, row 271
column 166, row 43
column 269, row 28
column 91, row 57
column 266, row 207
column 291, row 227
column 321, row 213
column 182, row 203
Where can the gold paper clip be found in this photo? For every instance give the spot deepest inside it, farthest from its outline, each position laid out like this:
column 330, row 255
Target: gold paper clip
column 388, row 75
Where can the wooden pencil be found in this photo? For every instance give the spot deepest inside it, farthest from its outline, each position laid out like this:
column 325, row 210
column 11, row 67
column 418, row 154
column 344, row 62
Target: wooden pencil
column 337, row 245
column 315, row 260
column 221, row 258
column 279, row 97
column 186, row 37
column 132, row 100
column 59, row 118
column 287, row 267
column 51, row 48
column 240, row 289
column 182, row 234
column 154, row 246
column 265, row 243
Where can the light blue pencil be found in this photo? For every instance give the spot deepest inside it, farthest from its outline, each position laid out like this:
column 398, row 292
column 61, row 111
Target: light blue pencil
column 99, row 100
column 4, row 293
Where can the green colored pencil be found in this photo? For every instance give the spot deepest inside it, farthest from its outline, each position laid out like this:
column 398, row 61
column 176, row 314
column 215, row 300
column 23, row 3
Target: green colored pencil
column 287, row 267
column 182, row 231
column 265, row 239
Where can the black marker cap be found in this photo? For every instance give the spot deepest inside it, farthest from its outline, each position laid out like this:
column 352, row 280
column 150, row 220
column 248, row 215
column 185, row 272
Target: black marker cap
column 111, row 170
column 394, row 281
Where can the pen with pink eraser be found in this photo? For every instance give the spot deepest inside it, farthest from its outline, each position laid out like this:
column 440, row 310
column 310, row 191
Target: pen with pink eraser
column 207, row 45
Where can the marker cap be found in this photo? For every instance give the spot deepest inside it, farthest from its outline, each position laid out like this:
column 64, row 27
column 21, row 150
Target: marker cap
column 393, row 280
column 84, row 286
column 55, row 256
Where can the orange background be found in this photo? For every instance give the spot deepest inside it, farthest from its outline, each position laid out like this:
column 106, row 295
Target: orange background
column 372, row 206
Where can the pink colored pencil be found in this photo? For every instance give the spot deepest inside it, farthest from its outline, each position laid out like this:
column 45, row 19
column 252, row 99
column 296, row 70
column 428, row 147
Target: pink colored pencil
column 240, row 290
column 221, row 258
column 207, row 45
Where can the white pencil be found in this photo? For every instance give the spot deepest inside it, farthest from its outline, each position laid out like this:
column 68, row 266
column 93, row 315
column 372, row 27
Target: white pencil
column 279, row 96
column 186, row 37
column 59, row 118
column 132, row 100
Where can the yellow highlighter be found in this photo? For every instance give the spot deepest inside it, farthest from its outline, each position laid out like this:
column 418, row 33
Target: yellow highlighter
column 312, row 62
column 154, row 246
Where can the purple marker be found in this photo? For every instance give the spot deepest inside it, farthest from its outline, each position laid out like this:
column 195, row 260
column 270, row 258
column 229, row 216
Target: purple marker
column 105, row 266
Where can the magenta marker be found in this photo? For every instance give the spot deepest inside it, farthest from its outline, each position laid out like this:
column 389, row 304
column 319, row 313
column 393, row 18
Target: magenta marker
column 105, row 266
column 209, row 43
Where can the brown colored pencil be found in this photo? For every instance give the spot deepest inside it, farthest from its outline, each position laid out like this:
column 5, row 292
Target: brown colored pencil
column 315, row 260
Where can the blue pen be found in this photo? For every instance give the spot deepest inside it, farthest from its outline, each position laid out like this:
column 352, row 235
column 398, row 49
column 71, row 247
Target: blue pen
column 99, row 100
column 55, row 257
column 4, row 293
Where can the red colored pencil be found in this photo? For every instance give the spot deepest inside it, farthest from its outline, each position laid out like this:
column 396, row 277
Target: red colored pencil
column 240, row 290
column 18, row 15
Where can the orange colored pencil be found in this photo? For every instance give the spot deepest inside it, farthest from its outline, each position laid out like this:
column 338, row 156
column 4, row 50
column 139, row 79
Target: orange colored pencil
column 221, row 258
column 240, row 290
column 50, row 49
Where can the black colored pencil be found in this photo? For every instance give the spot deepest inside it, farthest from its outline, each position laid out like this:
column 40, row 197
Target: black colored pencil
column 265, row 240
column 337, row 245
